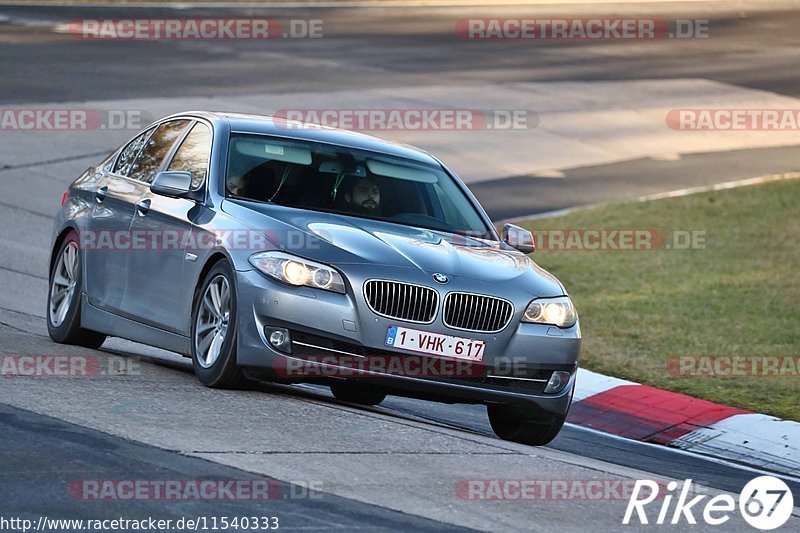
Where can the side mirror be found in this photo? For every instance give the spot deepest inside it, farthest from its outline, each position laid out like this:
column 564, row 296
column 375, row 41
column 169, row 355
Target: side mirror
column 175, row 185
column 519, row 238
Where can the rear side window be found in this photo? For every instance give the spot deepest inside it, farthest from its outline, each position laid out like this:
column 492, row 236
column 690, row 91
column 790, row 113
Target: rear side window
column 193, row 154
column 156, row 149
column 129, row 153
column 108, row 163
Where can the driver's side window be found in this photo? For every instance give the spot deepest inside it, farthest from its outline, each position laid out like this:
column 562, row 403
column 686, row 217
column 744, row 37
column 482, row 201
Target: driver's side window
column 193, row 154
column 156, row 149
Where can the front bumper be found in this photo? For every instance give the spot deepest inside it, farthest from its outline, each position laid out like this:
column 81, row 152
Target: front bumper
column 336, row 336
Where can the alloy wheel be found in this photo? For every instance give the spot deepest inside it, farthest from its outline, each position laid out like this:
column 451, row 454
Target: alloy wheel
column 212, row 321
column 62, row 288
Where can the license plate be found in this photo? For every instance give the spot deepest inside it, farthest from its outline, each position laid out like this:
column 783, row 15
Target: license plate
column 435, row 344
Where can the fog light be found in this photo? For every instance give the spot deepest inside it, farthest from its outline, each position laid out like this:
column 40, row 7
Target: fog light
column 557, row 382
column 279, row 338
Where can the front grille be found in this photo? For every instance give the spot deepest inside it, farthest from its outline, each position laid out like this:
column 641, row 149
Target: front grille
column 413, row 303
column 475, row 312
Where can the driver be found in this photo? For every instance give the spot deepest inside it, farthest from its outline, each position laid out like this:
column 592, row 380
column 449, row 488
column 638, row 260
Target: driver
column 236, row 185
column 364, row 197
column 258, row 183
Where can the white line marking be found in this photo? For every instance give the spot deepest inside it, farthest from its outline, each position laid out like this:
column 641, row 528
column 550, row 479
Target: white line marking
column 590, row 383
column 689, row 454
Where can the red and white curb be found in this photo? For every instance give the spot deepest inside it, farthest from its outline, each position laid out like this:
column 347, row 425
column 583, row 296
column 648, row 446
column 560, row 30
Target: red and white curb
column 648, row 414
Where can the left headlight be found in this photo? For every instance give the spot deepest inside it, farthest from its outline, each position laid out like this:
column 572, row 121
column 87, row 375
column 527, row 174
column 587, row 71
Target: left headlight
column 556, row 311
column 297, row 271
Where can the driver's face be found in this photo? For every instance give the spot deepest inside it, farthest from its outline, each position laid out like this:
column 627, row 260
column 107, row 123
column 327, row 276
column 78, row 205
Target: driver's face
column 367, row 195
column 236, row 185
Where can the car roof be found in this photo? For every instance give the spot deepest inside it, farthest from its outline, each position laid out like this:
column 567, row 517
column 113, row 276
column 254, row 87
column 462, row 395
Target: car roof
column 292, row 129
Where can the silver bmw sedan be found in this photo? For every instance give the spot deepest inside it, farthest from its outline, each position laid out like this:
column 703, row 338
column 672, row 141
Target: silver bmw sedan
column 266, row 249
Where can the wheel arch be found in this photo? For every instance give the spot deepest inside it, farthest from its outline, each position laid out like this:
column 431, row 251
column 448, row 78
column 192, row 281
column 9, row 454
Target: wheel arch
column 210, row 263
column 59, row 240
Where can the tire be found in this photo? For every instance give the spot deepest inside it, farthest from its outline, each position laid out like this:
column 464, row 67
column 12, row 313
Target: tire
column 509, row 423
column 350, row 392
column 64, row 298
column 214, row 330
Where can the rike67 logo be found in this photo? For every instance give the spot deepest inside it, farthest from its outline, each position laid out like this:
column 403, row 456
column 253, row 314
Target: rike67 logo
column 765, row 503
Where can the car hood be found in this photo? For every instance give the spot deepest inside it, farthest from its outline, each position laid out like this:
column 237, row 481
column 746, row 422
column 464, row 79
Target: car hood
column 340, row 240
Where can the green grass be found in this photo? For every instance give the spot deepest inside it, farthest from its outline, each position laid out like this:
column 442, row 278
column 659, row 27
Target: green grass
column 740, row 295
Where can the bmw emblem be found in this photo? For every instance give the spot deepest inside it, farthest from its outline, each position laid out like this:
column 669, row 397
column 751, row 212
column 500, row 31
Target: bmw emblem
column 440, row 278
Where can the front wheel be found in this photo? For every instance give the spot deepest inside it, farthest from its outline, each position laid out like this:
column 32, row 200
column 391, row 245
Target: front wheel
column 509, row 423
column 64, row 298
column 214, row 330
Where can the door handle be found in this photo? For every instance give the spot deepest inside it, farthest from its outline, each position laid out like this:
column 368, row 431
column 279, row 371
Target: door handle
column 142, row 207
column 100, row 194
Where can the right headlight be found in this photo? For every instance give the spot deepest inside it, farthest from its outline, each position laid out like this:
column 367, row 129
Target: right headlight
column 298, row 271
column 556, row 311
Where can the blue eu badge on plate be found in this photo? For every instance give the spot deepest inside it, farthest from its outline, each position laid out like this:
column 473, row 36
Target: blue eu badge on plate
column 391, row 334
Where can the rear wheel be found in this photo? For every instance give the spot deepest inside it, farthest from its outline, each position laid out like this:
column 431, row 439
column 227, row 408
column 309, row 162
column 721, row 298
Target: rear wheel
column 510, row 423
column 64, row 298
column 214, row 331
column 350, row 392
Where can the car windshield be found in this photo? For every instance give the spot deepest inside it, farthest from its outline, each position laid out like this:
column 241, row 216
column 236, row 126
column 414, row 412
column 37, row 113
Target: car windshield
column 330, row 178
